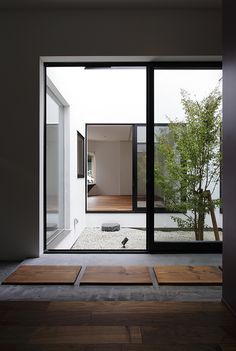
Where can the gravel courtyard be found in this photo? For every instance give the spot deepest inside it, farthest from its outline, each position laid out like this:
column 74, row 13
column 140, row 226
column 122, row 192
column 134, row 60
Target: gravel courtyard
column 94, row 238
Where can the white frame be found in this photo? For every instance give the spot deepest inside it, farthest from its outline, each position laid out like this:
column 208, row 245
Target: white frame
column 64, row 195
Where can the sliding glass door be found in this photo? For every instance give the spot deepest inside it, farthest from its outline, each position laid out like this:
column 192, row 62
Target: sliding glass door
column 186, row 155
column 55, row 219
column 152, row 134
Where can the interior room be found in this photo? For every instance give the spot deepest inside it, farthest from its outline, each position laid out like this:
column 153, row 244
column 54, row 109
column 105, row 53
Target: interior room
column 109, row 175
column 170, row 294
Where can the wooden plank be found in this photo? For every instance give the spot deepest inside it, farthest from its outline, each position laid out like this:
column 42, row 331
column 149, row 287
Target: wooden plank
column 132, row 275
column 81, row 335
column 160, row 307
column 23, row 305
column 183, row 334
column 62, row 347
column 172, row 347
column 224, row 347
column 39, row 274
column 15, row 334
column 45, row 318
column 155, row 318
column 135, row 335
column 44, row 347
column 188, row 275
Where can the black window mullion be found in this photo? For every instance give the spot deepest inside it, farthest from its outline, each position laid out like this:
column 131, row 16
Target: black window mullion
column 150, row 158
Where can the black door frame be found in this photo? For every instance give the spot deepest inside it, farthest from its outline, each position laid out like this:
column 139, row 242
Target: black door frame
column 151, row 246
column 168, row 247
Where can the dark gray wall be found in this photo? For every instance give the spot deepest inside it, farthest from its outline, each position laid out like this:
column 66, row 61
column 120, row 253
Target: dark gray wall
column 229, row 188
column 27, row 35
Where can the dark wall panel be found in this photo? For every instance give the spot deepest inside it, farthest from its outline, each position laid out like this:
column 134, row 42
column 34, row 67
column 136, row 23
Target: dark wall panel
column 229, row 148
column 27, row 35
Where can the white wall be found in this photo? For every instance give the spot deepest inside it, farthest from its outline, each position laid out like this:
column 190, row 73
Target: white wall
column 113, row 167
column 107, row 156
column 27, row 35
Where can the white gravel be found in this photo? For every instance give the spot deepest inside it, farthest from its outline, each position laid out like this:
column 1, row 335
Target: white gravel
column 94, row 238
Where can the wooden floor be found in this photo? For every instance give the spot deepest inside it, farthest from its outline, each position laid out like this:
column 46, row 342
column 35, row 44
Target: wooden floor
column 114, row 203
column 116, row 326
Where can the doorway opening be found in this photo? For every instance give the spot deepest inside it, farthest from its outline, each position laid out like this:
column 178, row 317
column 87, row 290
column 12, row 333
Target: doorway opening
column 109, row 168
column 118, row 115
column 104, row 106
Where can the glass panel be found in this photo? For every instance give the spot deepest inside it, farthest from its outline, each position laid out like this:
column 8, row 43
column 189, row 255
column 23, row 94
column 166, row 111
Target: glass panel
column 54, row 170
column 105, row 104
column 80, row 155
column 141, row 166
column 183, row 181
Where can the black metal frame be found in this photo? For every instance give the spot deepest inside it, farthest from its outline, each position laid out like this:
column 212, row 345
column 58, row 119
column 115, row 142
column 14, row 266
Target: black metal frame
column 135, row 208
column 152, row 247
column 80, row 137
column 86, row 171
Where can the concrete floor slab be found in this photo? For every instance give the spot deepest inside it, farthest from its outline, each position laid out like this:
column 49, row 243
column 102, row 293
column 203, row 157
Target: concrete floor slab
column 109, row 292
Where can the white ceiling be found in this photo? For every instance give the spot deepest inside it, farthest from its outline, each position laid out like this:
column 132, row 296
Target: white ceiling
column 109, row 133
column 111, row 3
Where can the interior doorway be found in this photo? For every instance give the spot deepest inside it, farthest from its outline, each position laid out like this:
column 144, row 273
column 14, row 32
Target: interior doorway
column 109, row 167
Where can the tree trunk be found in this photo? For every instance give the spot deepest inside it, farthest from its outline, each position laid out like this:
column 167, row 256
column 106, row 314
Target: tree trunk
column 200, row 225
column 200, row 216
column 195, row 225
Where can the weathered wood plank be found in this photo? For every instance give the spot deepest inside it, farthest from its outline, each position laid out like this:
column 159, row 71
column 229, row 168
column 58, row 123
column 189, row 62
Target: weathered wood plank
column 40, row 274
column 116, row 275
column 188, row 275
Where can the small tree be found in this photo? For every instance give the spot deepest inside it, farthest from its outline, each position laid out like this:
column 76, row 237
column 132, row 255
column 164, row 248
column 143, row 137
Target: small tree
column 188, row 161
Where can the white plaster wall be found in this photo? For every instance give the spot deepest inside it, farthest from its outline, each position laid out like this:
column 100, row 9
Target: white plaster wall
column 26, row 36
column 107, row 156
column 113, row 167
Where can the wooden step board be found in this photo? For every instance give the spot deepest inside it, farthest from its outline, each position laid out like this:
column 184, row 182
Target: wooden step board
column 53, row 274
column 188, row 275
column 120, row 275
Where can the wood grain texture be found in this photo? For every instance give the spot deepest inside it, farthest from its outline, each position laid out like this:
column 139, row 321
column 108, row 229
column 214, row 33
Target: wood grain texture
column 188, row 275
column 53, row 274
column 133, row 275
column 86, row 335
column 117, row 326
column 135, row 307
column 109, row 203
